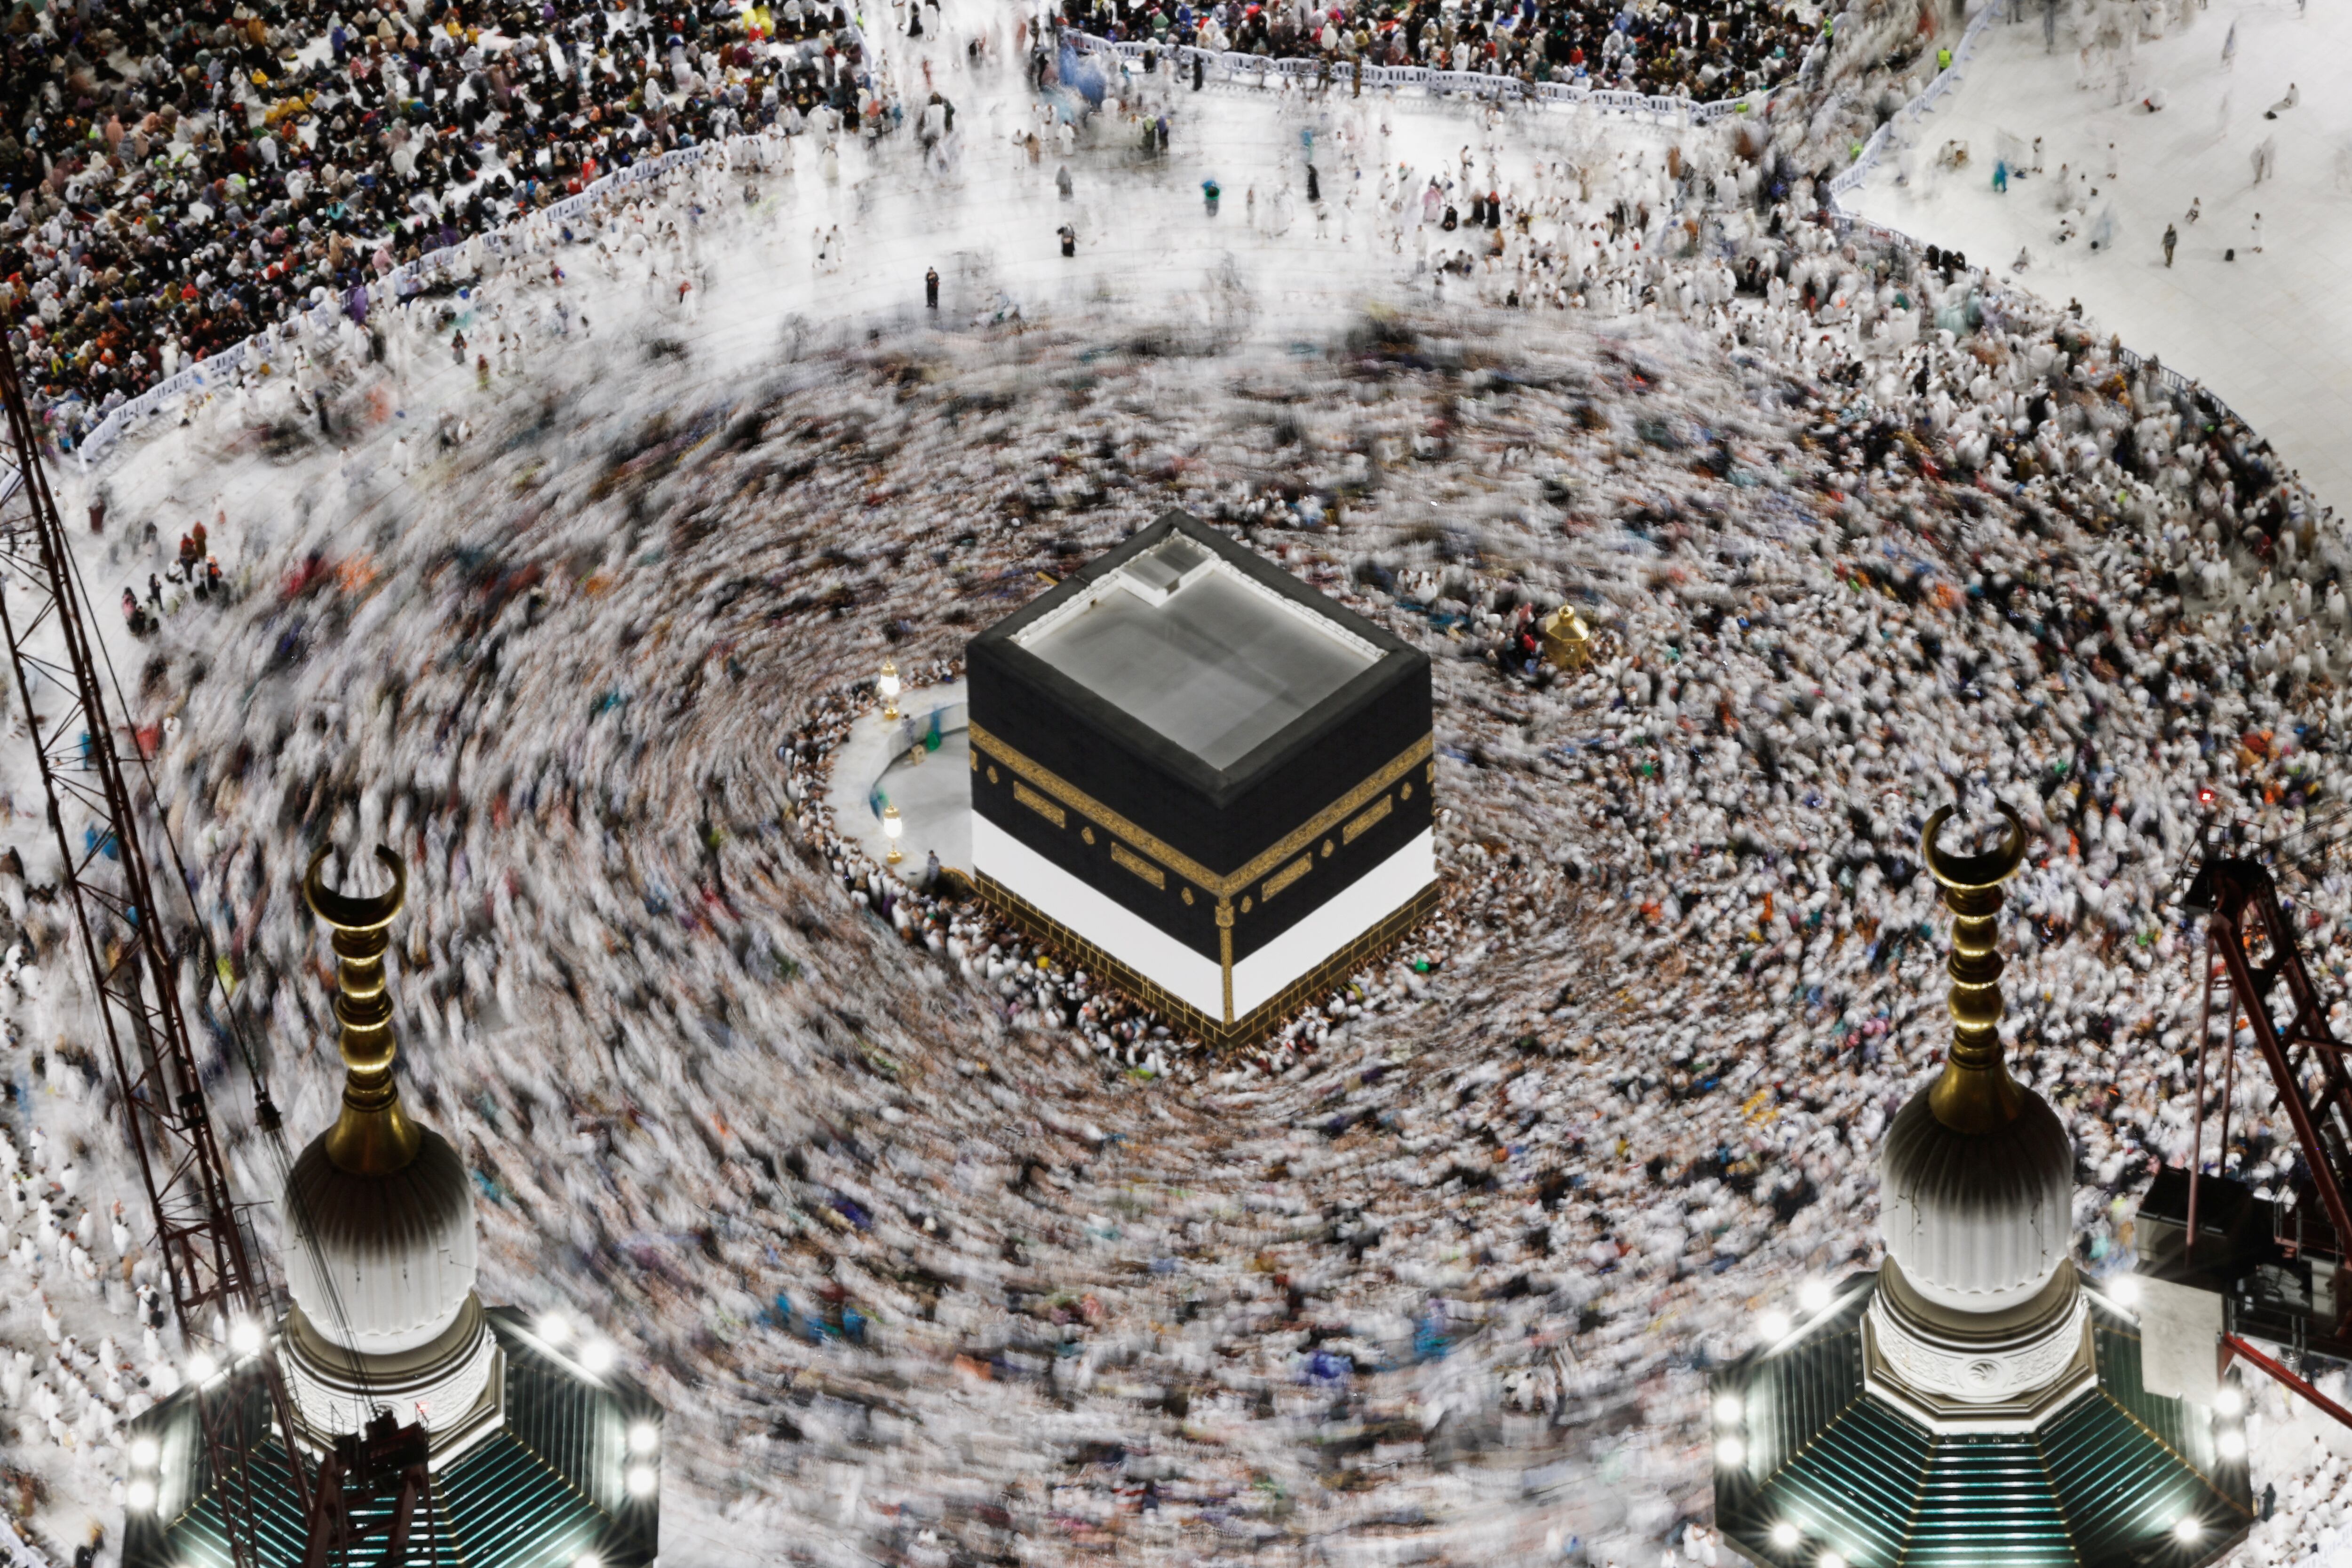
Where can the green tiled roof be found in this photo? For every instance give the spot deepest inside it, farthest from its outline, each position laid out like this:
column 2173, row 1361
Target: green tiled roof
column 2102, row 1486
column 544, row 1489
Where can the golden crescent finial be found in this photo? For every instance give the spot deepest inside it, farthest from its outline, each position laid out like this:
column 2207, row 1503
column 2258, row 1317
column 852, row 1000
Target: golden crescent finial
column 1974, row 1093
column 1963, row 871
column 347, row 913
column 371, row 1135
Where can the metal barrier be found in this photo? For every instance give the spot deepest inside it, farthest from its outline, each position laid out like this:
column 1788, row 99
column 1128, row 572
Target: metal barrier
column 511, row 236
column 1230, row 65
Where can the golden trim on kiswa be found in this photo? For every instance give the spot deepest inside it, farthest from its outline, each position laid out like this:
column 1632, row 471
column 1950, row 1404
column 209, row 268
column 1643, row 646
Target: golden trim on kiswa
column 1121, row 855
column 1039, row 804
column 1182, row 864
column 1288, row 875
column 1357, row 826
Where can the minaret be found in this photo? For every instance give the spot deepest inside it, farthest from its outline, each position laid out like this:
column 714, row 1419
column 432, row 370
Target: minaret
column 380, row 1254
column 1979, row 1319
column 1972, row 1401
column 544, row 1452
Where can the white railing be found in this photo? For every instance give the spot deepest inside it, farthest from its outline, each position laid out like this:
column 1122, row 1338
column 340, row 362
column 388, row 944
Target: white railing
column 1925, row 104
column 514, row 235
column 1233, row 67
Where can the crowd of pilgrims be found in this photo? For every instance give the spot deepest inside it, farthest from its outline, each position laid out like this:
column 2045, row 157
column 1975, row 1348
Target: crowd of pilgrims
column 936, row 1252
column 175, row 177
column 849, row 1168
column 1718, row 50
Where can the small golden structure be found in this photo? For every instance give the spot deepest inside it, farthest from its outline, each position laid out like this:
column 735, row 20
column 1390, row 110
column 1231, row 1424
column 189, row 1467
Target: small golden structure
column 1975, row 1093
column 889, row 684
column 371, row 1135
column 891, row 828
column 1567, row 641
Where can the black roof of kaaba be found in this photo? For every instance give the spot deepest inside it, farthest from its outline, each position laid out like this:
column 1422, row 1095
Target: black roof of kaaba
column 1391, row 665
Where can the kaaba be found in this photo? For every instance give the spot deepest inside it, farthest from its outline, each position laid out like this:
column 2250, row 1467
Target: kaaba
column 1200, row 779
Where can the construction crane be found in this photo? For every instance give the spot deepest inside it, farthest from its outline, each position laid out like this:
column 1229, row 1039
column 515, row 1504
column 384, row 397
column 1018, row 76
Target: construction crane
column 223, row 1307
column 219, row 1299
column 2277, row 1262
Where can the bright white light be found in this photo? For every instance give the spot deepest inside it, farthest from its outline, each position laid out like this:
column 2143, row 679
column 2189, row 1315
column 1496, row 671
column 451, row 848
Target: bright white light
column 1730, row 1452
column 2189, row 1529
column 143, row 1452
column 642, row 1481
column 1831, row 1560
column 598, row 1355
column 245, row 1337
column 202, row 1367
column 644, row 1437
column 1785, row 1535
column 1728, row 1410
column 1814, row 1296
column 553, row 1329
column 2124, row 1290
column 2233, row 1443
column 1773, row 1326
column 587, row 1560
column 140, row 1495
column 2228, row 1401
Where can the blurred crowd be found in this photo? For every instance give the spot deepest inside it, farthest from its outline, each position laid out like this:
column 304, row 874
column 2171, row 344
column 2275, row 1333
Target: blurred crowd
column 1502, row 1198
column 935, row 1252
column 177, row 178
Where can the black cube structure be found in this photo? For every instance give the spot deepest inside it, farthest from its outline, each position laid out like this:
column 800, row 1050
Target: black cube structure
column 1202, row 780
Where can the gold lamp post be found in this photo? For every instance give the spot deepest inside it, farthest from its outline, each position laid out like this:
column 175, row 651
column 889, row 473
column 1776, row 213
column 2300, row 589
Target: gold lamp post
column 891, row 828
column 1567, row 641
column 889, row 684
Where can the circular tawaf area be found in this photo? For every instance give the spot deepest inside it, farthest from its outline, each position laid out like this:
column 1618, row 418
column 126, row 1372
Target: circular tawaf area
column 901, row 1246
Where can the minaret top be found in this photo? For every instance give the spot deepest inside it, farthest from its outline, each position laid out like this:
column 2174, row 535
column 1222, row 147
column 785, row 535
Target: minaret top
column 1977, row 1186
column 372, row 1137
column 1975, row 1093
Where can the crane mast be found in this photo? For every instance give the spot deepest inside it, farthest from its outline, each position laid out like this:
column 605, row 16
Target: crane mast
column 221, row 1301
column 2278, row 1257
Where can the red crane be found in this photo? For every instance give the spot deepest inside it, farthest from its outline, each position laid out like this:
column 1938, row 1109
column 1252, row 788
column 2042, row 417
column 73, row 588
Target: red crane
column 2257, row 987
column 219, row 1298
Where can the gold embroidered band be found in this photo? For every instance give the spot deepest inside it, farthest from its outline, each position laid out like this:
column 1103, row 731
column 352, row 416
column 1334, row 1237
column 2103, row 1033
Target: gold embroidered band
column 1121, row 854
column 1039, row 804
column 1183, row 865
column 1288, row 875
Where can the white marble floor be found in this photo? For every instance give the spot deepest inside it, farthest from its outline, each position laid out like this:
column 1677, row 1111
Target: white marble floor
column 2270, row 333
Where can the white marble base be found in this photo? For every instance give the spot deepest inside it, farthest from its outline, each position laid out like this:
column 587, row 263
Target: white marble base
column 1954, row 1371
column 453, row 1385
